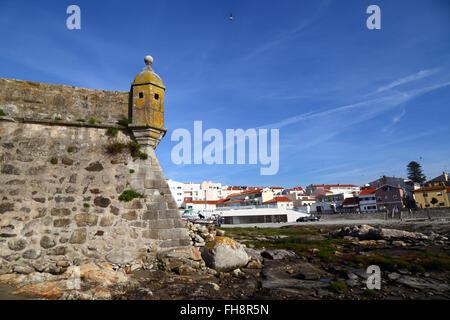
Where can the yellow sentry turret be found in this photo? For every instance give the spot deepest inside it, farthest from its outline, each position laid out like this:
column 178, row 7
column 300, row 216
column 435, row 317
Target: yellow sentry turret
column 147, row 92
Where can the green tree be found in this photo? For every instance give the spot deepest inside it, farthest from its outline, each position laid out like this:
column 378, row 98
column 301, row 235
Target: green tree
column 415, row 172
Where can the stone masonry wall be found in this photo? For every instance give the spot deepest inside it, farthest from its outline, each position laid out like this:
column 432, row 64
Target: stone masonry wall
column 39, row 101
column 70, row 210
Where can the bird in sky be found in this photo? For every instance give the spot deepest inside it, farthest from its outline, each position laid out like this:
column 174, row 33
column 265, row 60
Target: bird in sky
column 231, row 17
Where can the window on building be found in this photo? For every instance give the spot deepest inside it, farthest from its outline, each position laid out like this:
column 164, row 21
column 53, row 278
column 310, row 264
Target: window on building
column 141, row 95
column 439, row 193
column 156, row 96
column 441, row 204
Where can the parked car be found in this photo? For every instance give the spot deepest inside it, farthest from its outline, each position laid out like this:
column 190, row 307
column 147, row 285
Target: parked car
column 308, row 218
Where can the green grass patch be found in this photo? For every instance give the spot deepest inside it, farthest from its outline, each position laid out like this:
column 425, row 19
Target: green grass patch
column 143, row 156
column 86, row 205
column 92, row 120
column 124, row 122
column 2, row 113
column 295, row 239
column 54, row 160
column 370, row 292
column 133, row 147
column 247, row 233
column 337, row 286
column 131, row 170
column 112, row 132
column 129, row 195
column 58, row 118
column 70, row 149
column 413, row 262
column 115, row 147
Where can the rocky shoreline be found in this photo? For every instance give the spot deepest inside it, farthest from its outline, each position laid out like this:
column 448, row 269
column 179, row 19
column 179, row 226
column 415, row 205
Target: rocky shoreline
column 414, row 265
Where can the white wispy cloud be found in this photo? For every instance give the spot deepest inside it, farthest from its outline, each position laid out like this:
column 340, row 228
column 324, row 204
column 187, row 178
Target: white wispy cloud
column 413, row 77
column 287, row 35
column 372, row 108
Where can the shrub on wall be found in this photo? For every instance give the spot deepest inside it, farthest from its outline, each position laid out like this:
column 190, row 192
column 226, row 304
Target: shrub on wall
column 124, row 122
column 129, row 195
column 112, row 132
column 115, row 147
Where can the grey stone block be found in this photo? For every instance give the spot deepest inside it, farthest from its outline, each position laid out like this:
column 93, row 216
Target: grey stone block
column 150, row 215
column 161, row 224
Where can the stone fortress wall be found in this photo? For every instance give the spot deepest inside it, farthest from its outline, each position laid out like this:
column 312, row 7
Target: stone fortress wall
column 59, row 187
column 41, row 101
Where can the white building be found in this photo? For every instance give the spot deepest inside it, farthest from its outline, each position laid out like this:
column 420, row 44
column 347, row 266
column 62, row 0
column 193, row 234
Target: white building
column 294, row 193
column 321, row 189
column 211, row 190
column 261, row 215
column 204, row 191
column 192, row 191
column 280, row 203
column 207, row 208
column 367, row 200
column 177, row 191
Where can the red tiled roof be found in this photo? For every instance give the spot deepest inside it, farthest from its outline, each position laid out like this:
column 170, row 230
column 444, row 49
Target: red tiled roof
column 256, row 190
column 279, row 199
column 237, row 200
column 333, row 185
column 205, row 201
column 295, row 189
column 233, row 195
column 350, row 201
column 431, row 188
column 367, row 191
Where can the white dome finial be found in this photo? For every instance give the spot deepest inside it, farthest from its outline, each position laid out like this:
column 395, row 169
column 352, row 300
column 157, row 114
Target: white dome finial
column 148, row 60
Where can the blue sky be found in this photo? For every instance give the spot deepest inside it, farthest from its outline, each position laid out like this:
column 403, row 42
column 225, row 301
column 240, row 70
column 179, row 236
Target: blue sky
column 351, row 104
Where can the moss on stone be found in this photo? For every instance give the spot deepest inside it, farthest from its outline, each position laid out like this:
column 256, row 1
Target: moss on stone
column 112, row 132
column 129, row 195
column 337, row 286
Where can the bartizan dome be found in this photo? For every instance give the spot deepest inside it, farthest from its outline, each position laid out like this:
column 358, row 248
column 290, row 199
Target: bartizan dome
column 147, row 75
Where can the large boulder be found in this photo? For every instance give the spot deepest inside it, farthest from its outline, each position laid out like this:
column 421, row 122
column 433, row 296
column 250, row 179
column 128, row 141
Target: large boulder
column 224, row 254
column 365, row 232
column 278, row 254
column 390, row 234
